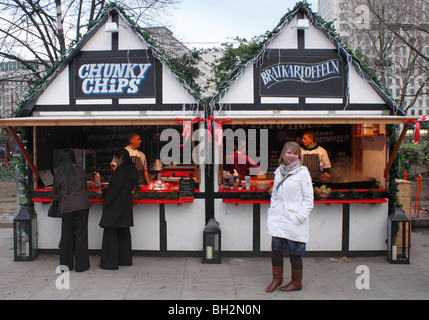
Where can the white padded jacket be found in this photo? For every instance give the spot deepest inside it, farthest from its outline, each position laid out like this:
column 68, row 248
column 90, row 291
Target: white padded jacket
column 291, row 205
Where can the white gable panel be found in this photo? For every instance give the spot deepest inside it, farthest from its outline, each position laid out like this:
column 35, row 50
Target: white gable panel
column 242, row 90
column 99, row 41
column 316, row 39
column 57, row 93
column 288, row 38
column 361, row 91
column 128, row 39
column 173, row 91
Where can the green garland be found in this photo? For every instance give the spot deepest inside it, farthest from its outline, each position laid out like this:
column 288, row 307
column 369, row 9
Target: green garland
column 142, row 195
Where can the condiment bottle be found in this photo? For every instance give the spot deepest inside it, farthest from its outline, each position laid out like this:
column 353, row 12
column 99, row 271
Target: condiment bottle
column 97, row 180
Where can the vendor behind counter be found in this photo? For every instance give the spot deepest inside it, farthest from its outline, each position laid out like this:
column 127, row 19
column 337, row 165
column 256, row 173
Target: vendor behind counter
column 315, row 158
column 239, row 161
column 137, row 157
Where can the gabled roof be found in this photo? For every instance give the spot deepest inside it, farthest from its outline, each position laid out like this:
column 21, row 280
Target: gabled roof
column 342, row 52
column 30, row 104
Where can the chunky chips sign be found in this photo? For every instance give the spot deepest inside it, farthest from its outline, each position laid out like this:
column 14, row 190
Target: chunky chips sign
column 114, row 77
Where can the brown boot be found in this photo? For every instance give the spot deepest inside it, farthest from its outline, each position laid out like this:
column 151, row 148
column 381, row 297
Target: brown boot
column 296, row 282
column 277, row 278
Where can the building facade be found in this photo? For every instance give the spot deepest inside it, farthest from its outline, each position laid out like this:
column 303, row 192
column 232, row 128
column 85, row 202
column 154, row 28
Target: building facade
column 15, row 81
column 403, row 74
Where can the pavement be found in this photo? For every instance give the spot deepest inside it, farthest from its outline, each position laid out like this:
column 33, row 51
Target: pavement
column 242, row 280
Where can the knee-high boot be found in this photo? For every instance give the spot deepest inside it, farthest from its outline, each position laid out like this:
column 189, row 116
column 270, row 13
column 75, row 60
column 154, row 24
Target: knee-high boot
column 296, row 282
column 277, row 278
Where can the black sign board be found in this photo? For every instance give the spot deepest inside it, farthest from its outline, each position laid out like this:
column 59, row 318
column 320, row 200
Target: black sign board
column 186, row 187
column 298, row 76
column 129, row 74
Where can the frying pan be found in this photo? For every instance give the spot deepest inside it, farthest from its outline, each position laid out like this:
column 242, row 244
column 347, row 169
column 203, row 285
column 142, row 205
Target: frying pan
column 348, row 183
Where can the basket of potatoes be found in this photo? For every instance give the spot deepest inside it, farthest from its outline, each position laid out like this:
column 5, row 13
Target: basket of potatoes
column 322, row 193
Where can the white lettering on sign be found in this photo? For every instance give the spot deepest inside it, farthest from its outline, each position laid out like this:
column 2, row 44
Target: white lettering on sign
column 112, row 78
column 307, row 73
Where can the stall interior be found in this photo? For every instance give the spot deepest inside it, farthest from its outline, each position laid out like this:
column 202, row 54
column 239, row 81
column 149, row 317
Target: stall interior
column 94, row 147
column 357, row 154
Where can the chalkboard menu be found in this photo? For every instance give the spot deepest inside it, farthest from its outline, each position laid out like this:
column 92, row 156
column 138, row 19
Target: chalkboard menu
column 335, row 138
column 186, row 188
column 104, row 141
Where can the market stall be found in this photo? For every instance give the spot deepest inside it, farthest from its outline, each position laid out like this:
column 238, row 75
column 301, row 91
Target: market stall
column 115, row 83
column 303, row 80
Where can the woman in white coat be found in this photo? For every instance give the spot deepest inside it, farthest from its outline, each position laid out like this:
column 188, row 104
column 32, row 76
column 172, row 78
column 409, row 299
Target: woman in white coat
column 288, row 216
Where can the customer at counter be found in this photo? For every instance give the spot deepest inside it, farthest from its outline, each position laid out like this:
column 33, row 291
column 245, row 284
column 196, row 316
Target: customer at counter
column 69, row 189
column 117, row 216
column 137, row 157
column 288, row 216
column 315, row 158
column 239, row 161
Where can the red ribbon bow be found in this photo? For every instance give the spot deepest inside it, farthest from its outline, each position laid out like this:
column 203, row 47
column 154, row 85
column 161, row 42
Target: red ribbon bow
column 218, row 131
column 187, row 127
column 417, row 132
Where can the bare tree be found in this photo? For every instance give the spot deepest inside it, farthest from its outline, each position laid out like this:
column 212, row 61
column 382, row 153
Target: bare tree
column 41, row 30
column 406, row 19
column 392, row 37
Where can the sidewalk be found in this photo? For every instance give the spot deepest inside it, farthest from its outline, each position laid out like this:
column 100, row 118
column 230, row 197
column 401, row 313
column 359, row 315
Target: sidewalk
column 154, row 278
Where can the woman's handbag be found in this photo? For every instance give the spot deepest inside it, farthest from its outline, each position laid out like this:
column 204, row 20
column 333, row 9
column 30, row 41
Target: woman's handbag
column 54, row 210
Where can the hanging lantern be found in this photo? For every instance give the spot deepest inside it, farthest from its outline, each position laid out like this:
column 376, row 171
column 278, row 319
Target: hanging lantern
column 212, row 242
column 25, row 236
column 398, row 238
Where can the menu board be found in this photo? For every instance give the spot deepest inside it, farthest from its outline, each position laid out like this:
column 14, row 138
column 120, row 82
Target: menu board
column 186, row 187
column 103, row 141
column 335, row 138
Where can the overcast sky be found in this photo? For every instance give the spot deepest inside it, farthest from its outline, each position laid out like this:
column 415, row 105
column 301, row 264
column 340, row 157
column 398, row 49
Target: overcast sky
column 208, row 23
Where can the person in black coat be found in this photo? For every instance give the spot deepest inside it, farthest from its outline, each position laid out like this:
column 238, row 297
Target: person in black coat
column 117, row 217
column 70, row 190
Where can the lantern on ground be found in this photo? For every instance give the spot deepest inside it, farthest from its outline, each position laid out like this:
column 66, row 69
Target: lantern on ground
column 398, row 238
column 211, row 242
column 25, row 235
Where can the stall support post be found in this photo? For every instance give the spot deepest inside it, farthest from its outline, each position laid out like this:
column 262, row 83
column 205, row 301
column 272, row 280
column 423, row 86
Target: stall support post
column 396, row 149
column 24, row 152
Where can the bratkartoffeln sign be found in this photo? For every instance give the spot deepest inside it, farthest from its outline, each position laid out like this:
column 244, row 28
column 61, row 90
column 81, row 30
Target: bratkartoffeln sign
column 301, row 76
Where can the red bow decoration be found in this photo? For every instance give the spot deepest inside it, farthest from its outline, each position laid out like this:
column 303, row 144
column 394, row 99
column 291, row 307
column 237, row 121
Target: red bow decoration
column 417, row 132
column 187, row 127
column 218, row 130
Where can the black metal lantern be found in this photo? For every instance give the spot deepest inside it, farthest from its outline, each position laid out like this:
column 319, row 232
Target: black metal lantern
column 25, row 235
column 398, row 238
column 211, row 242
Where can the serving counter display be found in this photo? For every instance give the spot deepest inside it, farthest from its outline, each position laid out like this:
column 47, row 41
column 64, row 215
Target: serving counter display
column 173, row 226
column 152, row 216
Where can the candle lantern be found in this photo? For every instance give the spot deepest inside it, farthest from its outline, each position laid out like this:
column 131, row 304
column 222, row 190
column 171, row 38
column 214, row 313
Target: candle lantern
column 25, row 235
column 398, row 238
column 212, row 242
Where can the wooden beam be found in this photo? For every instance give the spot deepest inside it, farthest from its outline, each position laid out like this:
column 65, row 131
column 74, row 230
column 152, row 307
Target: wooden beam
column 118, row 121
column 396, row 149
column 24, row 151
column 58, row 122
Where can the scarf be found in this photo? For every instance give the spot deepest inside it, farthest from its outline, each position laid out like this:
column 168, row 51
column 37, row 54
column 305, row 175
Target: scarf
column 314, row 146
column 286, row 170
